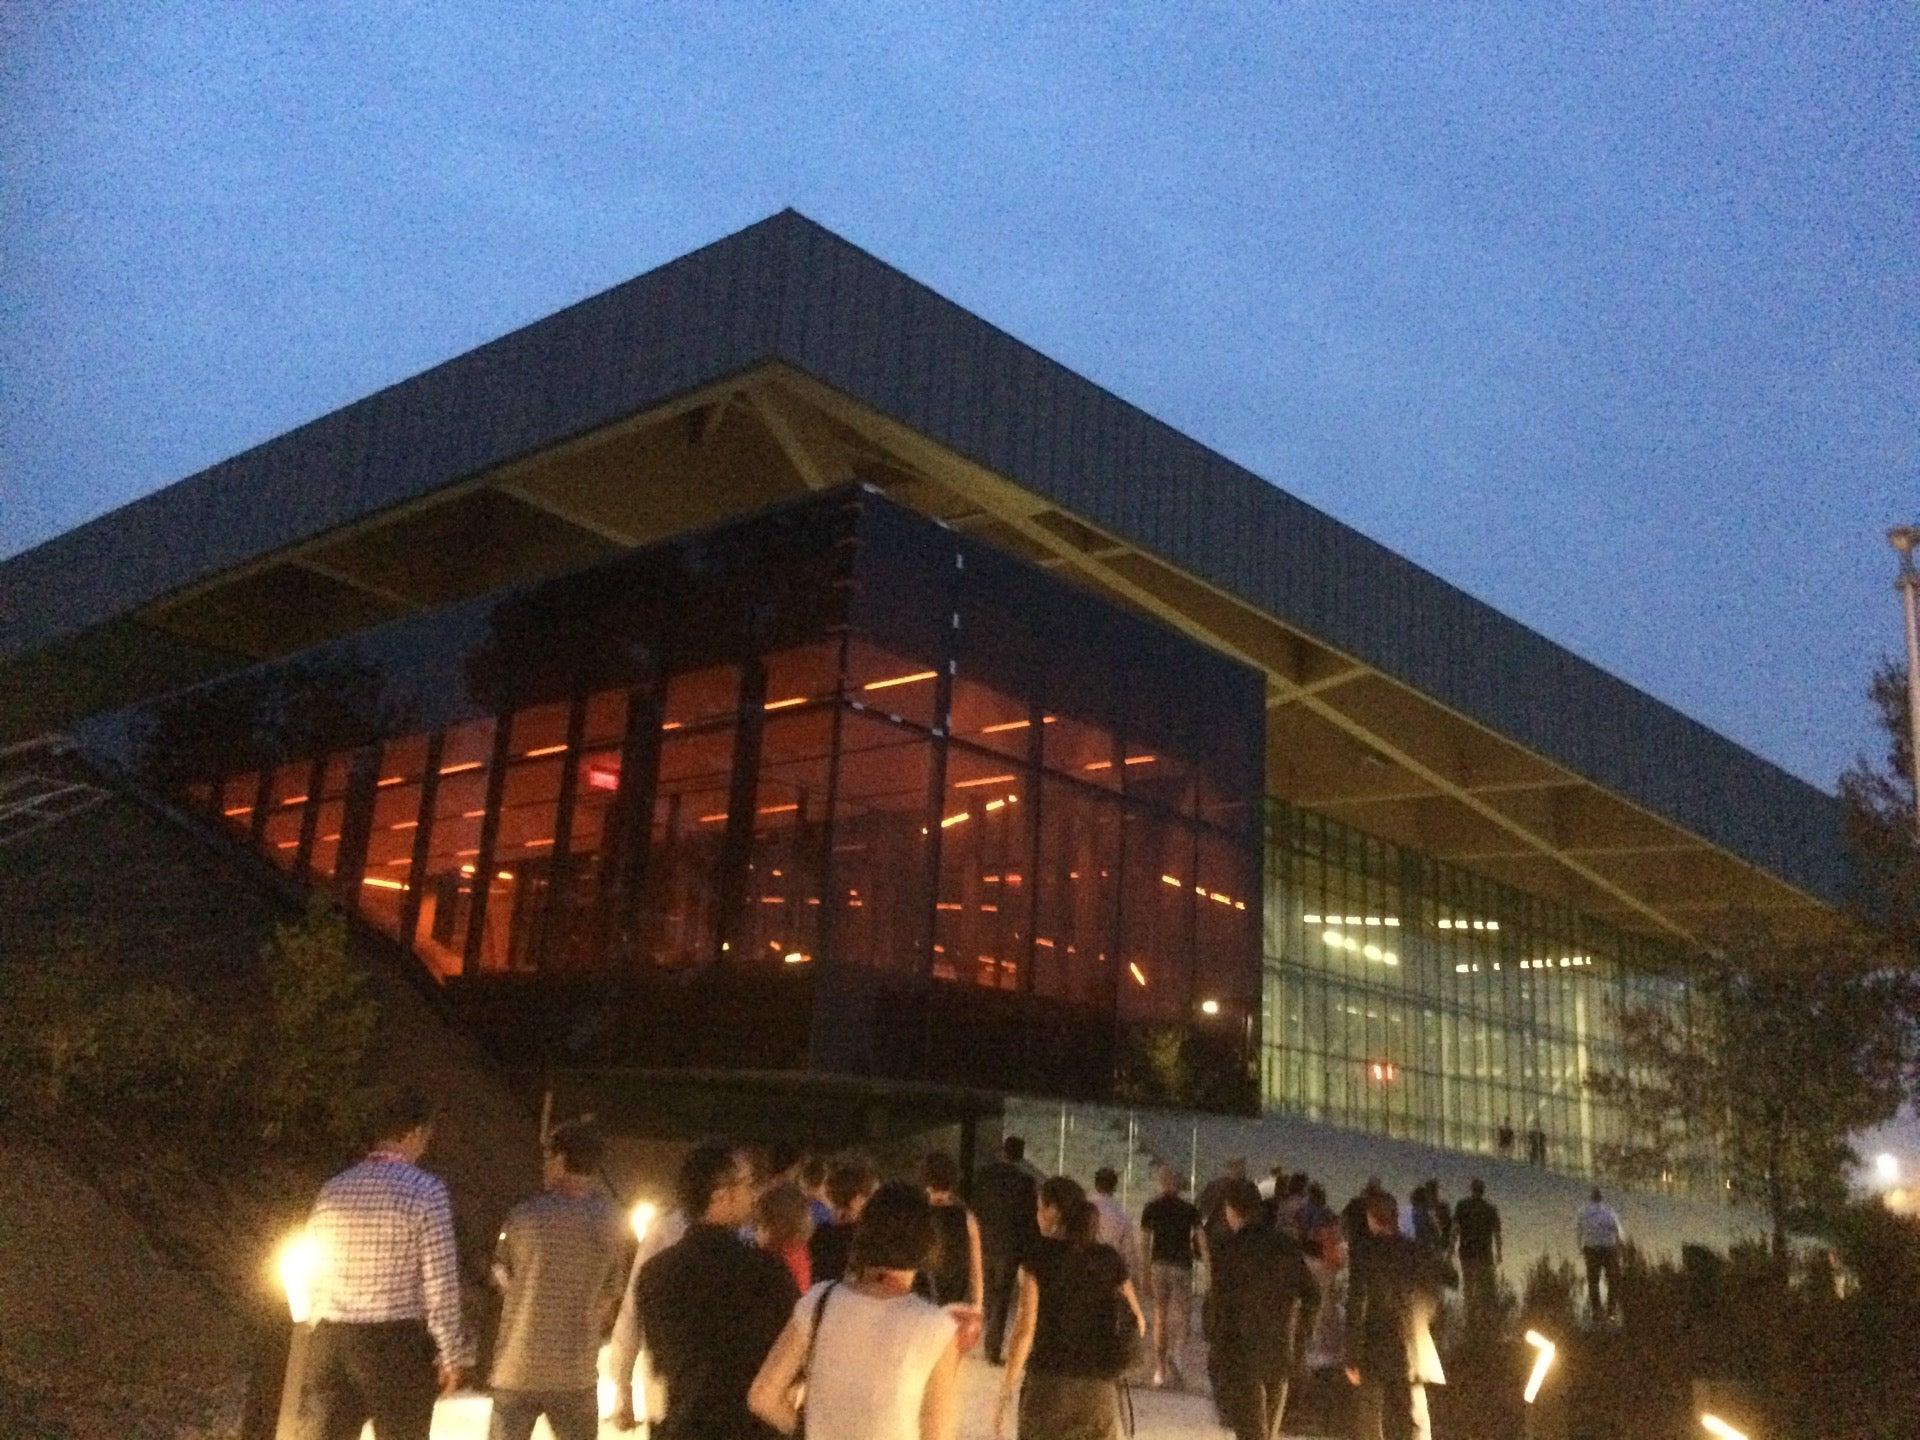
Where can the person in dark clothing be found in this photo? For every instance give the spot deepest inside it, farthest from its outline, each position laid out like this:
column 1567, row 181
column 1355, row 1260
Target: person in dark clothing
column 1263, row 1301
column 711, row 1306
column 1213, row 1223
column 1075, row 1329
column 1476, row 1222
column 1005, row 1195
column 1391, row 1299
column 956, row 1275
column 1504, row 1138
column 1353, row 1218
column 849, row 1182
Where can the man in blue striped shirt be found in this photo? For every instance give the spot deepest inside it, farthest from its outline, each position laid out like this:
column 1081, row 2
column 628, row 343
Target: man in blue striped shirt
column 388, row 1332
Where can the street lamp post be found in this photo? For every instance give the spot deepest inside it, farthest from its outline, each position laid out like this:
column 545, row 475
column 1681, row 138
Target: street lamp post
column 1906, row 538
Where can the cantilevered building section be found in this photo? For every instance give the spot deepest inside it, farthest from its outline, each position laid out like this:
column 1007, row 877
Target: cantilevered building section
column 1368, row 842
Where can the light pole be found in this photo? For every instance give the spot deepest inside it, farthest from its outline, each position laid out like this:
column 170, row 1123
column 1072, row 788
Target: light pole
column 1905, row 539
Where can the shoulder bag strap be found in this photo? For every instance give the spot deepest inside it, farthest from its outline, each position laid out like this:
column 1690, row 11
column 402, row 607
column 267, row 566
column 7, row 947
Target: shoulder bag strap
column 813, row 1339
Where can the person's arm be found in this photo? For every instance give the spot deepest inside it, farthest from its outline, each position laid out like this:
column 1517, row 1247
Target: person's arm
column 1133, row 1304
column 940, row 1402
column 503, row 1254
column 771, row 1394
column 976, row 1266
column 624, row 1352
column 1499, row 1243
column 1025, row 1314
column 1358, row 1293
column 440, row 1285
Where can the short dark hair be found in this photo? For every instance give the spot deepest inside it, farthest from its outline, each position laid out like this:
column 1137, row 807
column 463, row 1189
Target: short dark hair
column 813, row 1172
column 1242, row 1197
column 1014, row 1148
column 580, row 1146
column 1106, row 1180
column 850, row 1177
column 399, row 1112
column 1477, row 1186
column 1317, row 1193
column 1382, row 1207
column 1062, row 1194
column 704, row 1170
column 779, row 1156
column 940, row 1171
column 895, row 1230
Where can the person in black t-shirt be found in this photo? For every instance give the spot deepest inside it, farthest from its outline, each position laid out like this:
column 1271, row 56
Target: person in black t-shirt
column 1168, row 1227
column 1075, row 1326
column 1476, row 1221
column 849, row 1183
column 1262, row 1302
column 711, row 1305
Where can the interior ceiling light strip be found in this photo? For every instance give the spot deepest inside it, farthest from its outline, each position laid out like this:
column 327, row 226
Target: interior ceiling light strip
column 915, row 678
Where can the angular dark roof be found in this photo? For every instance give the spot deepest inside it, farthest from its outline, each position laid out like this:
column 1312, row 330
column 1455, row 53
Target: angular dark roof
column 788, row 290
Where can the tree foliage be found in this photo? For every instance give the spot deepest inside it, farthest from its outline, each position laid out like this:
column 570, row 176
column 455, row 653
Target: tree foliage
column 1788, row 1049
column 288, row 1067
column 1880, row 821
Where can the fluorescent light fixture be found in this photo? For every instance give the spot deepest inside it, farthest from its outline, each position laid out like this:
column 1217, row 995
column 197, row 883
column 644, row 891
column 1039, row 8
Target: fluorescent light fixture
column 543, row 750
column 915, row 678
column 985, row 780
column 1137, row 973
column 1542, row 1362
column 1714, row 1425
column 951, row 820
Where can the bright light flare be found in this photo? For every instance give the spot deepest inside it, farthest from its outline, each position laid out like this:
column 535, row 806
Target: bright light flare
column 1714, row 1425
column 295, row 1264
column 1542, row 1362
column 642, row 1219
column 1886, row 1168
column 1209, row 1007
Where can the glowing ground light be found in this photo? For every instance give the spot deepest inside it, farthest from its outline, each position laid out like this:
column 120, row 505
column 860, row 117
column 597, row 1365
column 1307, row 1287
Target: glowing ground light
column 642, row 1218
column 1542, row 1362
column 1714, row 1425
column 1886, row 1168
column 295, row 1264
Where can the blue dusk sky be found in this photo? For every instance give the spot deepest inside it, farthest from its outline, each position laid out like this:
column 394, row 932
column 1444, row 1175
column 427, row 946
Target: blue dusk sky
column 1608, row 314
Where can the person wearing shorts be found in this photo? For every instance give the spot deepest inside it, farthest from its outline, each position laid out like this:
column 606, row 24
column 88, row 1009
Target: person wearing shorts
column 1168, row 1226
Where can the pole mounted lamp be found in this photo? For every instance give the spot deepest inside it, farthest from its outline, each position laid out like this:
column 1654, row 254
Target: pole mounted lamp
column 1906, row 539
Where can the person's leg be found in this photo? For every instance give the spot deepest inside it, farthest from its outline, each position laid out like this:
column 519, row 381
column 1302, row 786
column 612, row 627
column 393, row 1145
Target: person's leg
column 514, row 1414
column 572, row 1414
column 1610, row 1264
column 1179, row 1320
column 1366, row 1411
column 1273, row 1400
column 330, row 1406
column 1594, row 1266
column 1419, row 1418
column 1001, row 1276
column 393, row 1366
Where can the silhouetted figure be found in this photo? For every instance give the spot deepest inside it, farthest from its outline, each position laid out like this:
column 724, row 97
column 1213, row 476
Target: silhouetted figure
column 1004, row 1196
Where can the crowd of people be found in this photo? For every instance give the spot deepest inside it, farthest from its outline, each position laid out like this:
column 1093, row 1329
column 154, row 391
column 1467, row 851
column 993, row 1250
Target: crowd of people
column 785, row 1294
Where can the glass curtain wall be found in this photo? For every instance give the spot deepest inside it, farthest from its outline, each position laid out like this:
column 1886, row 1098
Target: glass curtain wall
column 1413, row 999
column 903, row 778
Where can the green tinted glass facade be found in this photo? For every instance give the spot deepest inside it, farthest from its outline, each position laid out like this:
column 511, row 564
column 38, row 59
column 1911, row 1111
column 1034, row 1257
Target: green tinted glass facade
column 1411, row 998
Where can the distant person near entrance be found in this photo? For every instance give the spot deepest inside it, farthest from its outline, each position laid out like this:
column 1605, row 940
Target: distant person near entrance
column 1600, row 1234
column 388, row 1331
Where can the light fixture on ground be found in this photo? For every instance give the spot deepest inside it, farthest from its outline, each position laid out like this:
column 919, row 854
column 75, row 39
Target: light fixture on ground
column 1720, row 1429
column 1544, row 1351
column 642, row 1219
column 295, row 1264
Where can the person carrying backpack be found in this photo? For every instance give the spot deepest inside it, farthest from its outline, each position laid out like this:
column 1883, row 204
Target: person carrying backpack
column 1076, row 1328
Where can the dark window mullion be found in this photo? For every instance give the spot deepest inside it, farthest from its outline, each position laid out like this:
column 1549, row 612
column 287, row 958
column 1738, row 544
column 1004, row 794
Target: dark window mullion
column 742, row 800
column 555, row 916
column 489, row 835
column 310, row 816
column 422, row 838
column 356, row 824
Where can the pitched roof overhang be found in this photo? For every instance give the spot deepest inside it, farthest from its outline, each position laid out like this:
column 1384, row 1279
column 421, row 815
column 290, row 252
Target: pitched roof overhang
column 783, row 358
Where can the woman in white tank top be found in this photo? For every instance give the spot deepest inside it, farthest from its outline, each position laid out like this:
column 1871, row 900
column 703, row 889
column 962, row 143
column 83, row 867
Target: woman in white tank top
column 884, row 1363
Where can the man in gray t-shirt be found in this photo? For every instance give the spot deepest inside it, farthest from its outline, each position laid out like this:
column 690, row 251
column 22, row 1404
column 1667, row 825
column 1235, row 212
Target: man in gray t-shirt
column 559, row 1265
